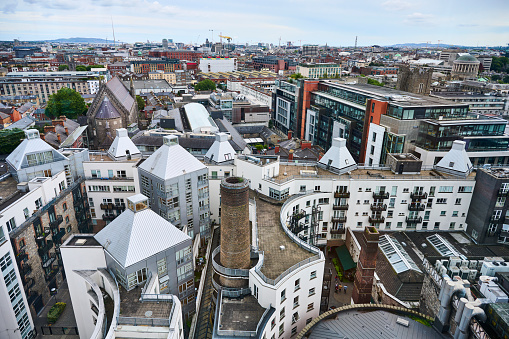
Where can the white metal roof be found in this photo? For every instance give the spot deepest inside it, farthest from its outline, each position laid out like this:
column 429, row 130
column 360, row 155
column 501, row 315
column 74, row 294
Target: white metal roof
column 456, row 161
column 199, row 118
column 133, row 237
column 338, row 157
column 122, row 144
column 32, row 144
column 221, row 150
column 171, row 160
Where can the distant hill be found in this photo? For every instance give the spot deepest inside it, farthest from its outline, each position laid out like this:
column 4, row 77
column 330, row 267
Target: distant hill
column 83, row 41
column 420, row 45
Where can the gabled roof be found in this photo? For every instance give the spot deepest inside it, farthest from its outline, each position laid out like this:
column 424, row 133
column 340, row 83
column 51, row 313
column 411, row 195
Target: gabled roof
column 32, row 144
column 456, row 161
column 338, row 157
column 121, row 93
column 121, row 145
column 133, row 237
column 73, row 136
column 171, row 160
column 221, row 150
column 107, row 110
column 22, row 123
column 225, row 126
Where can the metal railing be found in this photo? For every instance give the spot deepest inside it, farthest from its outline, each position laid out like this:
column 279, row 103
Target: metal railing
column 255, row 227
column 112, row 178
column 233, row 272
column 152, row 322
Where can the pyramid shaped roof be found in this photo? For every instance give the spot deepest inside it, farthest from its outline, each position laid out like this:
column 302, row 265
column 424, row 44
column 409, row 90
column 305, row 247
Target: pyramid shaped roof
column 338, row 157
column 221, row 150
column 135, row 236
column 456, row 161
column 171, row 160
column 122, row 145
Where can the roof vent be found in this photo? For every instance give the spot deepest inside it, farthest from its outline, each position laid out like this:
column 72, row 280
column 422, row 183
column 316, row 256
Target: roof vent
column 282, row 247
column 81, row 242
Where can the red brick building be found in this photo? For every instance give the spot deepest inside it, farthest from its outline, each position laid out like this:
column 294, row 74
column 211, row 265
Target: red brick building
column 180, row 54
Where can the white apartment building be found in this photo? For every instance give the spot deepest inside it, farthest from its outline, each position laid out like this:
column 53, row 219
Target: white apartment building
column 111, row 177
column 212, row 65
column 315, row 71
column 93, row 286
column 16, row 319
column 350, row 196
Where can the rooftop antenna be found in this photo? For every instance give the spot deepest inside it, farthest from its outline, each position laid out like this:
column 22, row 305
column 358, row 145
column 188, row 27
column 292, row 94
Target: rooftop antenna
column 355, row 42
column 113, row 29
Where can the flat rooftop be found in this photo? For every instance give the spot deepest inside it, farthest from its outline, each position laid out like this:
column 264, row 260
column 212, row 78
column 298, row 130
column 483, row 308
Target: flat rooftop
column 371, row 324
column 103, row 156
column 497, row 172
column 376, row 174
column 240, row 314
column 397, row 97
column 82, row 240
column 271, row 236
column 465, row 95
column 131, row 306
column 9, row 192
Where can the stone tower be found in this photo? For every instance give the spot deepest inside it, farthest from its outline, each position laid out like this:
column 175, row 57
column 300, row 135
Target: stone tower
column 363, row 281
column 417, row 80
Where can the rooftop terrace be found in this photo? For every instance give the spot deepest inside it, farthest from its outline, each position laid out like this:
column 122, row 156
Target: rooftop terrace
column 131, row 306
column 9, row 192
column 240, row 314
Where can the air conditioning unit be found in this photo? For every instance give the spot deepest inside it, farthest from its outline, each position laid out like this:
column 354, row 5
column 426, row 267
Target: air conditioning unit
column 453, row 271
column 473, row 264
column 464, row 272
column 445, row 262
column 464, row 263
column 443, row 271
column 454, row 261
column 472, row 274
column 438, row 264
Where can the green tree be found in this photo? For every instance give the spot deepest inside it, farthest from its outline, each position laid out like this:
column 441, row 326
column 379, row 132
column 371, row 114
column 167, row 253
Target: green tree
column 140, row 102
column 506, row 79
column 66, row 102
column 10, row 139
column 296, row 76
column 495, row 77
column 375, row 82
column 81, row 68
column 62, row 68
column 205, row 85
column 325, row 75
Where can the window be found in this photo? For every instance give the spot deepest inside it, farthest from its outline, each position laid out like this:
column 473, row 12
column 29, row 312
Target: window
column 359, row 224
column 281, row 329
column 445, row 189
column 388, row 225
column 392, row 202
column 272, row 323
column 121, row 174
column 297, row 285
column 95, row 173
column 390, row 214
column 11, row 224
column 296, row 301
column 426, row 215
column 294, row 330
column 309, row 320
column 303, row 188
column 454, row 213
column 283, row 295
column 458, row 201
column 400, row 224
column 310, row 307
column 372, row 152
column 465, row 189
column 437, row 225
column 394, row 191
column 312, row 275
column 183, row 255
column 282, row 314
column 38, row 203
column 26, row 213
column 317, row 188
column 311, row 292
column 451, row 225
column 295, row 317
column 442, row 213
column 432, row 191
column 441, row 200
column 406, row 190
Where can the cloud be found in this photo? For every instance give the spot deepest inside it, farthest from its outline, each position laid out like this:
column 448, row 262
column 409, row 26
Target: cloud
column 55, row 4
column 418, row 19
column 468, row 25
column 396, row 5
column 9, row 7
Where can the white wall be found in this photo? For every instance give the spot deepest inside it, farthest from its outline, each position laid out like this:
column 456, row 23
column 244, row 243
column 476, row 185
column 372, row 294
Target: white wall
column 377, row 144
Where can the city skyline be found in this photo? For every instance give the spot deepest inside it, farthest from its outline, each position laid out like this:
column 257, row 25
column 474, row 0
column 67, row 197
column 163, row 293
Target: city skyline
column 336, row 23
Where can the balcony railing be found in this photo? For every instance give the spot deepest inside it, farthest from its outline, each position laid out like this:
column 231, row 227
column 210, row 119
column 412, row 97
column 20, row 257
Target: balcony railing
column 378, row 207
column 26, row 269
column 376, row 219
column 496, row 219
column 29, row 282
column 111, row 206
column 502, row 192
column 45, row 248
column 338, row 219
column 341, row 194
column 413, row 220
column 339, row 230
column 418, row 195
column 381, row 195
column 416, row 207
column 21, row 256
column 47, row 260
column 51, row 275
column 56, row 222
column 107, row 217
column 234, row 272
column 342, row 207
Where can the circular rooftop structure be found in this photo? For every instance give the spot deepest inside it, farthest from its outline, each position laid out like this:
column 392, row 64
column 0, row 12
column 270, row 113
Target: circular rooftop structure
column 467, row 58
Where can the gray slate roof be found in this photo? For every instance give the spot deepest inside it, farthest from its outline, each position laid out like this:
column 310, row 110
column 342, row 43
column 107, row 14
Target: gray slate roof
column 133, row 237
column 121, row 93
column 107, row 110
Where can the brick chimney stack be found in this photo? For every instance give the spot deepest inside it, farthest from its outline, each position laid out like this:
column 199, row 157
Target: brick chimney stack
column 363, row 281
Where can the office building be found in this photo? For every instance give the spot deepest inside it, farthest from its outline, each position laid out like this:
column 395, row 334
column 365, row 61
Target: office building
column 177, row 186
column 319, row 70
column 146, row 66
column 212, row 64
column 310, row 50
column 274, row 63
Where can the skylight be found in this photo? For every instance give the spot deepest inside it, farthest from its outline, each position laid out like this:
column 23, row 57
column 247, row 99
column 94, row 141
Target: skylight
column 396, row 255
column 443, row 246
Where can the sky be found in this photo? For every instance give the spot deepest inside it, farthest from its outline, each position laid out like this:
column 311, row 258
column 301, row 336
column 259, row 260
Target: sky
column 335, row 22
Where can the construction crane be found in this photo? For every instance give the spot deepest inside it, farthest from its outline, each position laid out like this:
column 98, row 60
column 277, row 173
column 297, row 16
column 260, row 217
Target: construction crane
column 229, row 39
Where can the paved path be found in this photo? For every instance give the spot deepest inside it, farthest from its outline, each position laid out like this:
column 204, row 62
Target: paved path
column 203, row 322
column 342, row 298
column 66, row 318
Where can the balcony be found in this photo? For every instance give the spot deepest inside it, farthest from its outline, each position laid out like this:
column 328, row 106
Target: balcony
column 45, row 248
column 418, row 195
column 378, row 207
column 26, row 269
column 502, row 192
column 496, row 219
column 341, row 194
column 56, row 222
column 343, row 207
column 21, row 256
column 42, row 236
column 376, row 219
column 338, row 219
column 380, row 195
column 51, row 275
column 338, row 230
column 416, row 207
column 58, row 236
column 47, row 260
column 108, row 206
column 413, row 220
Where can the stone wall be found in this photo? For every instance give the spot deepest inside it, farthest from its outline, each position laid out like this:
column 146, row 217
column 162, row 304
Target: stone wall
column 429, row 303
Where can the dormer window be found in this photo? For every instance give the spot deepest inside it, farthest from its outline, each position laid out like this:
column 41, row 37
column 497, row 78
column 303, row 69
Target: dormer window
column 451, row 164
